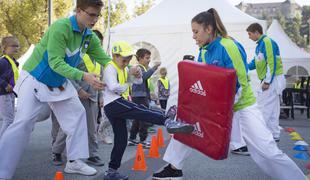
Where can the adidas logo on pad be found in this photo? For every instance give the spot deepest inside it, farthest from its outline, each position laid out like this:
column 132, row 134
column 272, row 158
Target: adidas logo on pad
column 197, row 89
column 197, row 131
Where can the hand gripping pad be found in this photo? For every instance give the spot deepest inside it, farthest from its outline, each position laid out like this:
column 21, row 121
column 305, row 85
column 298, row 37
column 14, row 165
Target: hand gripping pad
column 206, row 98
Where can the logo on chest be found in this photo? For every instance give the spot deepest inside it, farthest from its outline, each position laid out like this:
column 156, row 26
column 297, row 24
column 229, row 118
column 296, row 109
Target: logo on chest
column 86, row 44
column 215, row 62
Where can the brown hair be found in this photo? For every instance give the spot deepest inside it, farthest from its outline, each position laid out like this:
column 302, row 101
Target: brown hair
column 162, row 70
column 255, row 27
column 83, row 4
column 141, row 53
column 211, row 18
column 5, row 42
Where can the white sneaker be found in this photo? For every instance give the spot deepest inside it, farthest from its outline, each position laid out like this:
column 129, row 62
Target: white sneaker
column 79, row 167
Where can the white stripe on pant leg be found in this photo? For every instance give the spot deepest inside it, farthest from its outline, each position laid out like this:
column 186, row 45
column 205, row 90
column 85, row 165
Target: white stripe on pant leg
column 176, row 153
column 16, row 137
column 263, row 148
column 71, row 116
column 236, row 140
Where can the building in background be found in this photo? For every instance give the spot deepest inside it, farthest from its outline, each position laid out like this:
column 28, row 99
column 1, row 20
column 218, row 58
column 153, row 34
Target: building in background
column 289, row 9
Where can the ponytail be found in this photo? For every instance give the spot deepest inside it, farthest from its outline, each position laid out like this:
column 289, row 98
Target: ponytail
column 211, row 18
column 220, row 28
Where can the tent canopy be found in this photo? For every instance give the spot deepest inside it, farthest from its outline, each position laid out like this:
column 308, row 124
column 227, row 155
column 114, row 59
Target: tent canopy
column 288, row 49
column 177, row 12
column 167, row 28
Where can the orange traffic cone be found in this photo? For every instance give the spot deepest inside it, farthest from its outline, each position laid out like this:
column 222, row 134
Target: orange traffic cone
column 139, row 164
column 59, row 176
column 153, row 153
column 160, row 138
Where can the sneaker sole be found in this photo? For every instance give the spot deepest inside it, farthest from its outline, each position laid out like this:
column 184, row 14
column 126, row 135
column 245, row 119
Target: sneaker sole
column 168, row 178
column 79, row 172
column 241, row 153
column 185, row 130
column 95, row 164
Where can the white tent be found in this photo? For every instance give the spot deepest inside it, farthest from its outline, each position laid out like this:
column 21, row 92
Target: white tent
column 167, row 29
column 25, row 56
column 291, row 54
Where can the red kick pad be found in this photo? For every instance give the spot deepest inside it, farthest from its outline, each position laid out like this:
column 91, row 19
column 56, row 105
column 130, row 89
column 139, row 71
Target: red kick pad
column 206, row 98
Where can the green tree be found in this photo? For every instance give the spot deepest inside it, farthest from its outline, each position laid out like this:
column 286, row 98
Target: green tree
column 119, row 14
column 142, row 7
column 292, row 28
column 27, row 19
column 304, row 30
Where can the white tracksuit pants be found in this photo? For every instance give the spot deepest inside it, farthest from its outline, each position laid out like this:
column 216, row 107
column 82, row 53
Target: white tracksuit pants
column 269, row 104
column 32, row 97
column 260, row 143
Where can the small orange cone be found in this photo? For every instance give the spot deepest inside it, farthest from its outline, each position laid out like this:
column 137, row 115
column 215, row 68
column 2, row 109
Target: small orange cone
column 59, row 176
column 160, row 138
column 139, row 164
column 153, row 153
column 290, row 130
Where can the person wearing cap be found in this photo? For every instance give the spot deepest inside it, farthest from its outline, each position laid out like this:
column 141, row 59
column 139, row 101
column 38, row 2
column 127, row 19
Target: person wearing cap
column 44, row 80
column 117, row 77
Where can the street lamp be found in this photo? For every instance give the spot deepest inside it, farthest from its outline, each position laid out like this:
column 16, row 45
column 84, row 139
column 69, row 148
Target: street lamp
column 50, row 9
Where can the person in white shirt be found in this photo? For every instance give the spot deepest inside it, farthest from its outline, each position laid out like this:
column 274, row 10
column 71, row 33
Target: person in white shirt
column 118, row 108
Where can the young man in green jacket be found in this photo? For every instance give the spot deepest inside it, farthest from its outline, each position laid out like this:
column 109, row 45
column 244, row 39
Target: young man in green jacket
column 44, row 80
column 269, row 68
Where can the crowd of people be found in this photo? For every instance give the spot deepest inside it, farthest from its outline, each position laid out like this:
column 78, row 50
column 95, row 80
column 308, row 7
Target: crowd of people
column 89, row 92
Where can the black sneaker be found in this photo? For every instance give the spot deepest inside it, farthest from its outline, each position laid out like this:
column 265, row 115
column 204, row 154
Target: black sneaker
column 132, row 142
column 178, row 127
column 112, row 174
column 241, row 151
column 56, row 159
column 95, row 161
column 145, row 144
column 169, row 174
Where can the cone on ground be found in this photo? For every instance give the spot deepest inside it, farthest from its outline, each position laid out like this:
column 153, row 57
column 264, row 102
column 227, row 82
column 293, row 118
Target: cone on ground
column 160, row 138
column 300, row 148
column 139, row 164
column 289, row 130
column 59, row 175
column 294, row 134
column 153, row 152
column 303, row 143
column 297, row 138
column 303, row 156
